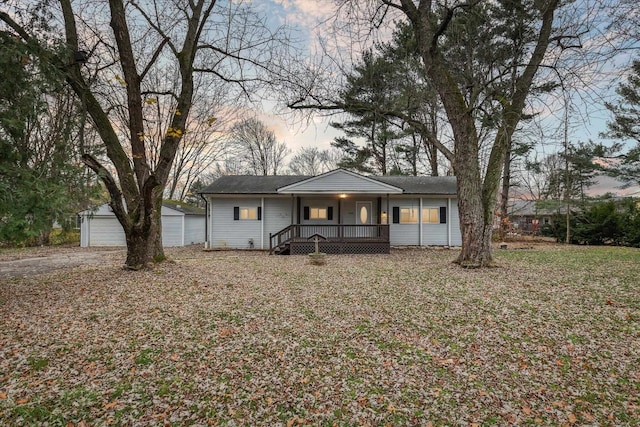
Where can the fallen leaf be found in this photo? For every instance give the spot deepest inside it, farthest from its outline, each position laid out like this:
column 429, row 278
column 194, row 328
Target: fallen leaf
column 295, row 421
column 111, row 405
column 526, row 410
column 572, row 418
column 587, row 416
column 22, row 401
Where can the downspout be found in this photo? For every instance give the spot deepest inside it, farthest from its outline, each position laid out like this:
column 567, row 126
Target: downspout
column 262, row 223
column 449, row 221
column 206, row 221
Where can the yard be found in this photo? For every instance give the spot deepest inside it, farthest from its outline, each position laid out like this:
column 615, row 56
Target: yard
column 550, row 337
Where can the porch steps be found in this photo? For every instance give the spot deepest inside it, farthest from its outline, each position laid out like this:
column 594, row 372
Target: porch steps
column 283, row 249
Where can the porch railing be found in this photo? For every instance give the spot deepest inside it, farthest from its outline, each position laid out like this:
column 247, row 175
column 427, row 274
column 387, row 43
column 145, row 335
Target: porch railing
column 333, row 233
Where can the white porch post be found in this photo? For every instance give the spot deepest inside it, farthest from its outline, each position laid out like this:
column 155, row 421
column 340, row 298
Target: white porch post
column 420, row 222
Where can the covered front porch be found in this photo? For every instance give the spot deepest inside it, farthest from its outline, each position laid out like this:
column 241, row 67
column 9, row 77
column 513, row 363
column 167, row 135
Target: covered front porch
column 350, row 217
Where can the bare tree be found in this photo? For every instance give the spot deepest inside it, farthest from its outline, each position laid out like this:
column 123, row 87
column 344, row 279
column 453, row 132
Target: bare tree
column 313, row 161
column 256, row 148
column 223, row 39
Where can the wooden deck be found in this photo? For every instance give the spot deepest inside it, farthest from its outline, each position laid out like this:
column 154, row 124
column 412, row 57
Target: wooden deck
column 340, row 239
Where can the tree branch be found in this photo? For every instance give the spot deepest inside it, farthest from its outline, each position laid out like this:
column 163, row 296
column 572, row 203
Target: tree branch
column 112, row 187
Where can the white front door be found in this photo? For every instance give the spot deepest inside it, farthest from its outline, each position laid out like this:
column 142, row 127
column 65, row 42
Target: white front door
column 364, row 214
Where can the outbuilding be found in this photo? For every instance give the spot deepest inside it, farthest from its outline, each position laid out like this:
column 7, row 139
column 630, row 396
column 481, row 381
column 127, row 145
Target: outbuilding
column 181, row 225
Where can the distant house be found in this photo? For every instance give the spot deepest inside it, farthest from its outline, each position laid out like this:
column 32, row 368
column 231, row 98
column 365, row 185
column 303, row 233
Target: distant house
column 355, row 213
column 181, row 225
column 528, row 216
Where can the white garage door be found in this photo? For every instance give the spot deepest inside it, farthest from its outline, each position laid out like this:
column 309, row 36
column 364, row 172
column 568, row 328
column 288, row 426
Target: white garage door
column 106, row 232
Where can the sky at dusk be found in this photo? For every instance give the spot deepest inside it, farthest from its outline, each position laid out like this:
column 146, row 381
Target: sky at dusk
column 588, row 116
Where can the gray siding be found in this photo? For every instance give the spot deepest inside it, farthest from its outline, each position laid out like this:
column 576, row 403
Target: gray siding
column 435, row 234
column 193, row 229
column 276, row 216
column 171, row 231
column 228, row 233
column 101, row 228
column 456, row 236
column 319, row 202
column 403, row 234
column 225, row 232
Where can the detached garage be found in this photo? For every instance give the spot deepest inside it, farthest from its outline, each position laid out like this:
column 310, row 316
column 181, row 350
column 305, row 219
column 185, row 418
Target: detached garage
column 181, row 225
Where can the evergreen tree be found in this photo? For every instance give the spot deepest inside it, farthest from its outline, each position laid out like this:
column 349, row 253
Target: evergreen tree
column 42, row 180
column 626, row 126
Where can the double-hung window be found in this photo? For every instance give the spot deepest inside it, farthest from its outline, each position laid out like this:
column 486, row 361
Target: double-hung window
column 318, row 213
column 241, row 213
column 430, row 215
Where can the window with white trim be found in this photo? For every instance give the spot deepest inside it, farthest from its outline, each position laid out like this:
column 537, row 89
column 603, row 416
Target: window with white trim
column 317, row 213
column 247, row 213
column 430, row 215
column 408, row 215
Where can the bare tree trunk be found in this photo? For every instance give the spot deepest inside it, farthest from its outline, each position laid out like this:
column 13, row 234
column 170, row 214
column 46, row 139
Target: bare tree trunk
column 433, row 160
column 144, row 234
column 504, row 197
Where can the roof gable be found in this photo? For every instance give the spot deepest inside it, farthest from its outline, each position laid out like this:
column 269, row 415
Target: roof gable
column 339, row 181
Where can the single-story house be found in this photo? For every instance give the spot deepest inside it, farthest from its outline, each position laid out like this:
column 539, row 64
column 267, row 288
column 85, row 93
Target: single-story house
column 353, row 212
column 181, row 225
column 529, row 216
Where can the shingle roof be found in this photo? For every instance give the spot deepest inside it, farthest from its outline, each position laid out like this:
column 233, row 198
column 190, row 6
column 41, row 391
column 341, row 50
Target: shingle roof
column 536, row 207
column 252, row 184
column 422, row 184
column 183, row 207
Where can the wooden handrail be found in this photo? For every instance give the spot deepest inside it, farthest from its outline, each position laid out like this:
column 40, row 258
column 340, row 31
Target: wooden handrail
column 333, row 233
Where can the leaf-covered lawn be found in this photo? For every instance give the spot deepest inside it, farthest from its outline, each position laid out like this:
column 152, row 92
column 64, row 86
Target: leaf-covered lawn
column 235, row 338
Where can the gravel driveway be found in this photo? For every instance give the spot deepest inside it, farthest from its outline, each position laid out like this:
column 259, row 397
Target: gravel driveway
column 31, row 261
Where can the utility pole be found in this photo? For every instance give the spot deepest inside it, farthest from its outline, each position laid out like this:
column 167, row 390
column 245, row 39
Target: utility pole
column 567, row 183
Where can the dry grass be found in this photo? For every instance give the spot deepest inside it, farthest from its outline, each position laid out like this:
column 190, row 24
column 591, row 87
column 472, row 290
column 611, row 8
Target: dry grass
column 235, row 338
